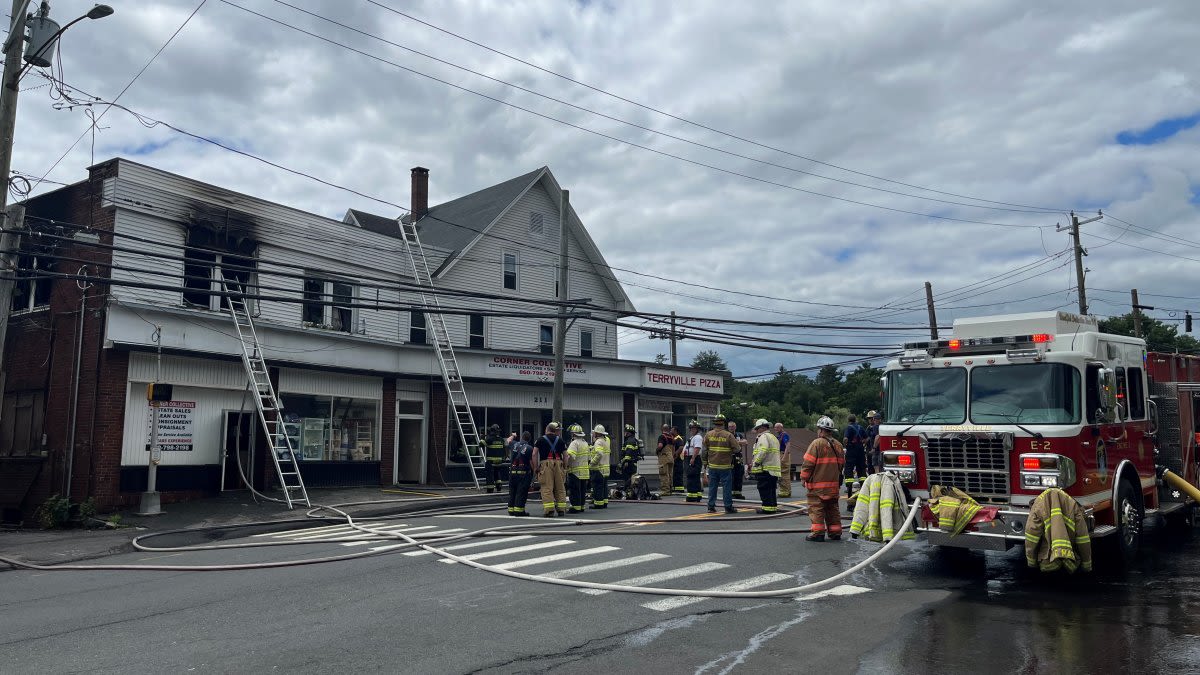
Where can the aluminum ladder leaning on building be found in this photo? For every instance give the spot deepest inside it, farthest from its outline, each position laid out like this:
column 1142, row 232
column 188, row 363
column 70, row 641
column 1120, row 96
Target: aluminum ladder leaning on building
column 270, row 411
column 467, row 431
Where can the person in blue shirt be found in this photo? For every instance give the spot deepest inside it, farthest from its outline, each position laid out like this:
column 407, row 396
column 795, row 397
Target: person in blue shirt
column 854, row 440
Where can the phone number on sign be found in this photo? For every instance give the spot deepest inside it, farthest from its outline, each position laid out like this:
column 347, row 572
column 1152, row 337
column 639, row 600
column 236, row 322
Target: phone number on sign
column 174, row 447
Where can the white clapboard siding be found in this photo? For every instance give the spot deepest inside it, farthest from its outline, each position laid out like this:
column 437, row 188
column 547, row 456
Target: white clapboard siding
column 141, row 267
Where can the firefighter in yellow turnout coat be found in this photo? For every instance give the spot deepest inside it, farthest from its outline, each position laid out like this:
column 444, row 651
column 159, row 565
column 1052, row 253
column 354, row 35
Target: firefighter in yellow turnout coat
column 764, row 466
column 601, row 460
column 579, row 459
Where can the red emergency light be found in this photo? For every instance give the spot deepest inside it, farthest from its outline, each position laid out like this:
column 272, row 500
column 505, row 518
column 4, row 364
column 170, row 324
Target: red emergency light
column 1042, row 337
column 904, row 460
column 1031, row 463
column 955, row 344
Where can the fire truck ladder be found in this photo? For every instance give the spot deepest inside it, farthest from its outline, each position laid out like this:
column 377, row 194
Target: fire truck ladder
column 270, row 412
column 465, row 421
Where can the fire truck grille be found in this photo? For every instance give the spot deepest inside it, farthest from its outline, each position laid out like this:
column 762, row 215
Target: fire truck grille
column 975, row 464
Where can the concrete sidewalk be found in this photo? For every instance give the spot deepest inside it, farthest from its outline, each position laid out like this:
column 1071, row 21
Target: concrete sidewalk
column 230, row 508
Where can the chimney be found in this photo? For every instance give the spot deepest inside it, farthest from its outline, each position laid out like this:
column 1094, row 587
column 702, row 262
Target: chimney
column 420, row 192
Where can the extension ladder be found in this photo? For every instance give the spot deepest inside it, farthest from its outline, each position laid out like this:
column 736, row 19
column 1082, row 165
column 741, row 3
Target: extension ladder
column 270, row 411
column 468, row 433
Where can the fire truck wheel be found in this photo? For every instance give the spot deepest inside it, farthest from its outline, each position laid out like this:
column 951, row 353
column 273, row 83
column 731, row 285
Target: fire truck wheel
column 1129, row 522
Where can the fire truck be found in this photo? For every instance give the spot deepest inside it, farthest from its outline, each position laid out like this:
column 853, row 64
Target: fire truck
column 1012, row 405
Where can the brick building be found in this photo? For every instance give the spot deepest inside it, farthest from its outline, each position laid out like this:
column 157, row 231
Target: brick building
column 348, row 353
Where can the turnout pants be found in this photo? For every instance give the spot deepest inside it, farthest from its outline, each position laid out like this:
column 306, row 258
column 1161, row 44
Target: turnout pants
column 550, row 478
column 739, row 476
column 576, row 491
column 628, row 469
column 666, row 472
column 694, row 491
column 785, row 481
column 856, row 460
column 599, row 490
column 495, row 473
column 767, row 484
column 519, row 481
column 823, row 511
column 678, row 475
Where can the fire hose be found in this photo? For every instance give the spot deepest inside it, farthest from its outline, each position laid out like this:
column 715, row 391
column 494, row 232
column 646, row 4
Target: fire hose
column 1182, row 485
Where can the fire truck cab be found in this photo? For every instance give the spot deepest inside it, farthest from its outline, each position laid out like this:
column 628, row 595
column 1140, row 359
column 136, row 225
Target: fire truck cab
column 1014, row 404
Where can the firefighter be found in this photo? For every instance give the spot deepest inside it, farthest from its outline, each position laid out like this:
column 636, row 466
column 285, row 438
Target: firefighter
column 693, row 463
column 821, row 473
column 739, row 461
column 600, row 461
column 785, row 461
column 494, row 451
column 548, row 463
column 520, row 474
column 679, row 472
column 632, row 450
column 579, row 456
column 764, row 467
column 719, row 449
column 666, row 460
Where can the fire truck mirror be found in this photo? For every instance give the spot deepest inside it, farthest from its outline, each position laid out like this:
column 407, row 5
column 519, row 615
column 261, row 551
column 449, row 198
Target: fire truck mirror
column 1107, row 396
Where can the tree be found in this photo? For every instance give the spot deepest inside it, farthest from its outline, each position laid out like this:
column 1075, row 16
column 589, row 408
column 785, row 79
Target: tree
column 1159, row 336
column 710, row 360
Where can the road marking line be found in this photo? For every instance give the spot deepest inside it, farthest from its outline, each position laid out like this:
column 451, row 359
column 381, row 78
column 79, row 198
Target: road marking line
column 484, row 542
column 514, row 550
column 556, row 557
column 365, row 541
column 359, row 534
column 302, row 530
column 477, row 515
column 844, row 589
column 676, row 602
column 600, row 567
column 661, row 576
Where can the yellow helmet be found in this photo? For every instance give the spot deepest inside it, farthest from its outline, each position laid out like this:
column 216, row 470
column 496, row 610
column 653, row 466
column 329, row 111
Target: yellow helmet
column 576, row 429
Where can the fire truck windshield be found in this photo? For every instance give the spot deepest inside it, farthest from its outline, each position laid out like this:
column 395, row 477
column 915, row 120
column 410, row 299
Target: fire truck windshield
column 1033, row 393
column 927, row 395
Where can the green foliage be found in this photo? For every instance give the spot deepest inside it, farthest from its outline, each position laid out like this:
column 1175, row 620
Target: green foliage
column 53, row 513
column 709, row 360
column 1159, row 336
column 797, row 399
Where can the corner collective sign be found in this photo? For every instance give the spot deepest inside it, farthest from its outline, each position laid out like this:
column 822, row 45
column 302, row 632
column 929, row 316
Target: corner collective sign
column 674, row 380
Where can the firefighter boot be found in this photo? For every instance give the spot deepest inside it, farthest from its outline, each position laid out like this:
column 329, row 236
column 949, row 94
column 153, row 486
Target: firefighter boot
column 816, row 536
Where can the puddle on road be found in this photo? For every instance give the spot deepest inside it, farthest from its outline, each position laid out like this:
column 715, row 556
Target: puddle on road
column 1018, row 620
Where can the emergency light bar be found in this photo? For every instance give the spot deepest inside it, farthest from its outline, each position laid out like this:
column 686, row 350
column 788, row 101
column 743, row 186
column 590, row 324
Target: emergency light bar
column 956, row 344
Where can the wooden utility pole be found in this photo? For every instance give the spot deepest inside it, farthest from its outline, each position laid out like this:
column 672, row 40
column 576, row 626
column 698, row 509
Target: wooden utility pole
column 674, row 353
column 1137, row 314
column 560, row 329
column 1079, row 253
column 933, row 334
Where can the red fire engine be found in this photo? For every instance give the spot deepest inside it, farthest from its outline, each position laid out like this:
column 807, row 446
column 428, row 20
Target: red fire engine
column 1014, row 404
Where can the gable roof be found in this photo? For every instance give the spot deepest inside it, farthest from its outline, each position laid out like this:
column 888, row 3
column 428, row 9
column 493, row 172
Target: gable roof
column 457, row 225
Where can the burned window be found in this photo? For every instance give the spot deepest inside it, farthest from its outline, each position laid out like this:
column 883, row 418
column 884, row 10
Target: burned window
column 33, row 284
column 328, row 303
column 209, row 250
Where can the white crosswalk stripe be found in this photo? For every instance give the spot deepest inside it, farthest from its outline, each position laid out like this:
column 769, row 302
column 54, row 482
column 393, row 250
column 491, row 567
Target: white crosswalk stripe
column 368, row 536
column 370, row 540
column 514, row 550
column 303, row 530
column 555, row 557
column 487, row 541
column 676, row 602
column 600, row 567
column 651, row 579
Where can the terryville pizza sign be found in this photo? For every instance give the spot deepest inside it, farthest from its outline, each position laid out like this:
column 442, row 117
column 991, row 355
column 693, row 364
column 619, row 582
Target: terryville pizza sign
column 674, row 380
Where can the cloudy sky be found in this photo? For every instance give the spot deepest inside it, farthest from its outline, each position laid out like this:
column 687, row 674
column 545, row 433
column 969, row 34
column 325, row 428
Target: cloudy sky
column 753, row 120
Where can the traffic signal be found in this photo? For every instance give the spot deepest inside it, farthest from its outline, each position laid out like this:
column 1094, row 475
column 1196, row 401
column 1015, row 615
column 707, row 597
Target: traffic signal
column 1187, row 322
column 158, row 392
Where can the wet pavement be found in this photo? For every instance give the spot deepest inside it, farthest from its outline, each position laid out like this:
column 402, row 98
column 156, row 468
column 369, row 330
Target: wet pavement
column 1004, row 618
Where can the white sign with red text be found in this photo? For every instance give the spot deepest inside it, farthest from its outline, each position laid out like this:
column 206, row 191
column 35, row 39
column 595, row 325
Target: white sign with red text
column 175, row 421
column 674, row 380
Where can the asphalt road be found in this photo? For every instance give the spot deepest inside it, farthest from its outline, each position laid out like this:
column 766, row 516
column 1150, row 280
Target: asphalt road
column 915, row 611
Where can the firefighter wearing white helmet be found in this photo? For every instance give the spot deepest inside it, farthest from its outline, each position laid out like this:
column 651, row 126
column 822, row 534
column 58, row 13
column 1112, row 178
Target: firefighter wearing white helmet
column 765, row 466
column 601, row 459
column 579, row 457
column 821, row 473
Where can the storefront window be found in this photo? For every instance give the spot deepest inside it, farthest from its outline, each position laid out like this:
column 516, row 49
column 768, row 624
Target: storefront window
column 331, row 429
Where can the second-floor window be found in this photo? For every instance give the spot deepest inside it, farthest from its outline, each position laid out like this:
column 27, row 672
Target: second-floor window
column 31, row 290
column 416, row 327
column 205, row 253
column 476, row 336
column 546, row 338
column 585, row 342
column 328, row 303
column 510, row 271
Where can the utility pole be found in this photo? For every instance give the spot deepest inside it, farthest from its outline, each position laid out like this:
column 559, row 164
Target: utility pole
column 560, row 330
column 151, row 504
column 14, row 47
column 1079, row 253
column 1137, row 315
column 933, row 334
column 674, row 353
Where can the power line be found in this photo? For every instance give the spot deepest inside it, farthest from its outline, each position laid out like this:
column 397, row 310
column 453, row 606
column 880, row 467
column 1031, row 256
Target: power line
column 700, row 125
